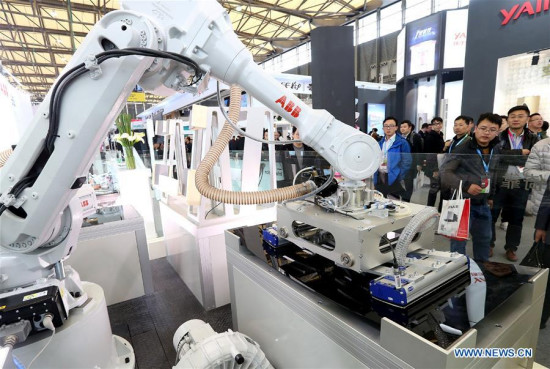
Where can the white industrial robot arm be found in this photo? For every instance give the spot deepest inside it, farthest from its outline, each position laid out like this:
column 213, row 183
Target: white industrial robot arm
column 51, row 168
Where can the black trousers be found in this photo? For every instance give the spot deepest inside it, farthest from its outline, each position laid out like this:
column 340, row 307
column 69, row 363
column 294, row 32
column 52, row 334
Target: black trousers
column 409, row 185
column 510, row 202
column 395, row 189
column 434, row 189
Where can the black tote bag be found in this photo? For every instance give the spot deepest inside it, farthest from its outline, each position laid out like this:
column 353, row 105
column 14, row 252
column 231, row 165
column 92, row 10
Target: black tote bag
column 538, row 256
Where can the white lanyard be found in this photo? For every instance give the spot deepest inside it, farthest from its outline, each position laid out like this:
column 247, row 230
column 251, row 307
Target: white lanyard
column 387, row 145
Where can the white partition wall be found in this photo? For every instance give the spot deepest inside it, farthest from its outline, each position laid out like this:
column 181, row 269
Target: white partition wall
column 193, row 225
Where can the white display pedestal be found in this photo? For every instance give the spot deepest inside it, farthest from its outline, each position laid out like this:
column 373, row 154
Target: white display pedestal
column 135, row 190
column 114, row 255
column 196, row 249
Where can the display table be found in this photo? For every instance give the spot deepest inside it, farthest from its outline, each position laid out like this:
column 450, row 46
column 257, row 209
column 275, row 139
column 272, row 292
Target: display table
column 112, row 252
column 196, row 249
column 298, row 327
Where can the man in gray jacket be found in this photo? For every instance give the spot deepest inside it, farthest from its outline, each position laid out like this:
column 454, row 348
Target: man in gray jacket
column 537, row 172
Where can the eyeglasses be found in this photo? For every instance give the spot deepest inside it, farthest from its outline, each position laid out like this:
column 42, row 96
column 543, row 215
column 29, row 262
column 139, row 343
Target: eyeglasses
column 517, row 116
column 487, row 129
column 388, row 126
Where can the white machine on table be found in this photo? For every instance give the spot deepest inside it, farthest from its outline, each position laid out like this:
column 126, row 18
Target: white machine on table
column 361, row 242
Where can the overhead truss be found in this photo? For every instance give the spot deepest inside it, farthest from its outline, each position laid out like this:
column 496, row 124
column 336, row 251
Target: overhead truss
column 38, row 37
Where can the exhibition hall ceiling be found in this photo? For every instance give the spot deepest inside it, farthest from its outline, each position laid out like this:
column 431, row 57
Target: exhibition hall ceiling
column 38, row 37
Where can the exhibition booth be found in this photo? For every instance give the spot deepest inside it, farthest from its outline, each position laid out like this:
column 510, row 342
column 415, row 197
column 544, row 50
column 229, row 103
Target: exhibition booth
column 430, row 64
column 503, row 38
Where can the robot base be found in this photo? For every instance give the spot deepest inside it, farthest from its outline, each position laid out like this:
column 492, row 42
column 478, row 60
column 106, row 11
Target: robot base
column 84, row 341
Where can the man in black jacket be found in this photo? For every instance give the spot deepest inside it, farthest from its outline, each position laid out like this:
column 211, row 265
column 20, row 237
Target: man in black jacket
column 415, row 142
column 474, row 163
column 511, row 192
column 433, row 145
column 295, row 157
column 424, row 130
column 462, row 127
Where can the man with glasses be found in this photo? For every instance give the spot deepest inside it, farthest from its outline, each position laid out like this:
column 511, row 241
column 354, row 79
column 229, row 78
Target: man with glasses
column 474, row 163
column 396, row 161
column 535, row 125
column 462, row 126
column 516, row 143
column 433, row 145
column 416, row 143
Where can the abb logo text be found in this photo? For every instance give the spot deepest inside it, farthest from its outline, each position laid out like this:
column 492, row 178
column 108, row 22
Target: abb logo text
column 289, row 107
column 526, row 8
column 84, row 203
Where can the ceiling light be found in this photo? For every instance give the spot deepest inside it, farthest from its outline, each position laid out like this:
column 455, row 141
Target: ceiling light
column 239, row 8
column 53, row 13
column 285, row 44
column 329, row 21
column 58, row 40
column 300, row 25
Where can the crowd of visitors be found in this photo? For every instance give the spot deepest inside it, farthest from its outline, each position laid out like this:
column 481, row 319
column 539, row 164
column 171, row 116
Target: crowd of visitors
column 502, row 162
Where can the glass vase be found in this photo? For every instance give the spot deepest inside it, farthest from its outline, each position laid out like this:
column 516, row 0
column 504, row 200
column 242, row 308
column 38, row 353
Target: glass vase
column 129, row 156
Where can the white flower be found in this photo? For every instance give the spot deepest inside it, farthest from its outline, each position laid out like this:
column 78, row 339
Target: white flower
column 139, row 137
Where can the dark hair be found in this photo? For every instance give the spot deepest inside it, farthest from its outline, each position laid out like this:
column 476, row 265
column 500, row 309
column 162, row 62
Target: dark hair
column 391, row 118
column 532, row 115
column 504, row 117
column 294, row 129
column 519, row 107
column 491, row 117
column 425, row 125
column 465, row 118
column 409, row 123
column 375, row 130
column 545, row 126
column 436, row 119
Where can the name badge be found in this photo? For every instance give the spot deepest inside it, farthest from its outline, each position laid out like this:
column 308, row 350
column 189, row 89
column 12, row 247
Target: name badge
column 485, row 185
